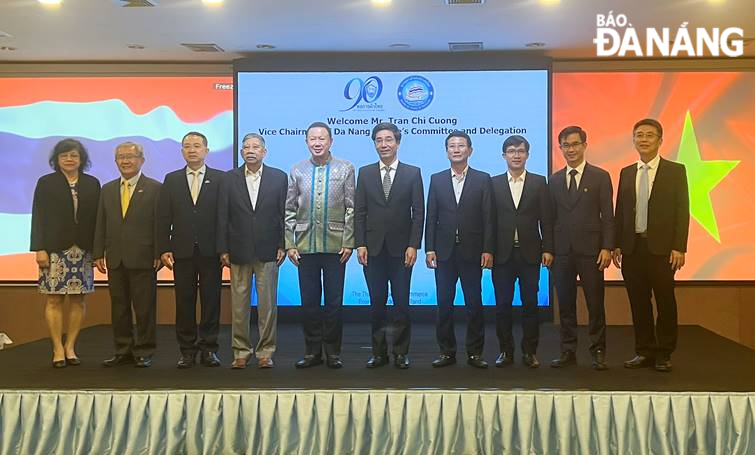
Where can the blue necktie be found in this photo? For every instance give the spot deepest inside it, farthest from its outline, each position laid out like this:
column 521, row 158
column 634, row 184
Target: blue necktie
column 641, row 217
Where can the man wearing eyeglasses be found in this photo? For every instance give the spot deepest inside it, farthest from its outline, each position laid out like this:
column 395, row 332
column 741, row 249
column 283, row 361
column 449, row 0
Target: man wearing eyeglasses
column 583, row 240
column 524, row 241
column 652, row 225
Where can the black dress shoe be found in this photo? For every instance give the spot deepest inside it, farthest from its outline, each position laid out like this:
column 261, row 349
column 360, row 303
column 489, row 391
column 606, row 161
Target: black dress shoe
column 530, row 361
column 309, row 360
column 186, row 361
column 477, row 361
column 117, row 360
column 567, row 358
column 599, row 360
column 503, row 359
column 639, row 361
column 334, row 362
column 73, row 361
column 663, row 365
column 210, row 359
column 401, row 361
column 444, row 360
column 377, row 361
column 142, row 362
column 59, row 363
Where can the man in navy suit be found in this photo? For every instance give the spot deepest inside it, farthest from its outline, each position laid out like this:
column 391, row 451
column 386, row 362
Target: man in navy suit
column 251, row 241
column 524, row 241
column 583, row 240
column 459, row 243
column 186, row 221
column 652, row 226
column 389, row 212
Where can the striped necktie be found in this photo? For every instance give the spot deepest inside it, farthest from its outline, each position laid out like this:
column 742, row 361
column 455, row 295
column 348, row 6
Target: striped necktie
column 387, row 181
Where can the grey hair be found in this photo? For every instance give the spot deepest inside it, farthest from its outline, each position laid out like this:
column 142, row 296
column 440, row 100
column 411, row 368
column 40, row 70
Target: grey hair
column 254, row 136
column 138, row 147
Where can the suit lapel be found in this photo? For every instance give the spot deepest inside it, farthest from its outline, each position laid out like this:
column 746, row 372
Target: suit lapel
column 508, row 198
column 262, row 188
column 448, row 181
column 136, row 196
column 632, row 182
column 187, row 188
column 526, row 192
column 240, row 179
column 373, row 174
column 659, row 176
column 396, row 180
column 584, row 183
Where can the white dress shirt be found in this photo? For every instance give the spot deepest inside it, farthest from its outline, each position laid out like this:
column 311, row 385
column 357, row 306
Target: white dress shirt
column 253, row 180
column 393, row 167
column 131, row 184
column 652, row 170
column 580, row 170
column 458, row 182
column 516, row 185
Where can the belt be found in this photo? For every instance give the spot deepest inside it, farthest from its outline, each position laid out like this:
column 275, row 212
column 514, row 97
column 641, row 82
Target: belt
column 642, row 235
column 516, row 243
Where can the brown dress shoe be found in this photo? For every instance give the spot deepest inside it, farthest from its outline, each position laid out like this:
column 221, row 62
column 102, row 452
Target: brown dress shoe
column 265, row 362
column 239, row 363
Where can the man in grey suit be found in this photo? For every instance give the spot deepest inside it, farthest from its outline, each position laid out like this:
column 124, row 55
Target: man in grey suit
column 125, row 248
column 250, row 242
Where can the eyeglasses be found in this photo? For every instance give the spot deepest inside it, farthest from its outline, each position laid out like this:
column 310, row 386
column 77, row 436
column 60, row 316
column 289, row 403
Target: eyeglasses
column 570, row 145
column 127, row 157
column 387, row 140
column 649, row 136
column 515, row 152
column 252, row 147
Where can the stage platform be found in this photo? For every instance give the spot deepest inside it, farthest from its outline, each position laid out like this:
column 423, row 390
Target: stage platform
column 706, row 405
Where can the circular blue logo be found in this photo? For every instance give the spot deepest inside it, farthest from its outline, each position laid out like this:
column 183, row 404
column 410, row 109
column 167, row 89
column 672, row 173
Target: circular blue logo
column 415, row 93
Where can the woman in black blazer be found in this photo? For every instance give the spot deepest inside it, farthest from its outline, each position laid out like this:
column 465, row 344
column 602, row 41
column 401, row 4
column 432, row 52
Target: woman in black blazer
column 64, row 213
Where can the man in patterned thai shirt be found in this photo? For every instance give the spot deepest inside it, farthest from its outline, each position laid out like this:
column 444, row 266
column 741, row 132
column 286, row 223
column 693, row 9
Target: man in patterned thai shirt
column 319, row 240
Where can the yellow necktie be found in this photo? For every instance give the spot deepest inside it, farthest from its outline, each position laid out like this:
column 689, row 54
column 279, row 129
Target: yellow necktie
column 194, row 186
column 125, row 197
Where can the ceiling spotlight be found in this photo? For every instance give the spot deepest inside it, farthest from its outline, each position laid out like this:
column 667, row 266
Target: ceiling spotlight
column 50, row 2
column 213, row 2
column 381, row 2
column 7, row 48
column 399, row 46
column 265, row 46
column 550, row 2
column 136, row 46
column 535, row 44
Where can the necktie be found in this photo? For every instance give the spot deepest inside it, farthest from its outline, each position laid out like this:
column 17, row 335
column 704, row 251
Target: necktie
column 125, row 197
column 387, row 181
column 573, row 190
column 641, row 219
column 194, row 186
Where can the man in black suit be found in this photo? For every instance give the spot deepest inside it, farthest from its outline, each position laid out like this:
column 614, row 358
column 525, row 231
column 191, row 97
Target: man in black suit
column 125, row 247
column 251, row 243
column 652, row 226
column 524, row 241
column 459, row 243
column 186, row 222
column 583, row 240
column 389, row 212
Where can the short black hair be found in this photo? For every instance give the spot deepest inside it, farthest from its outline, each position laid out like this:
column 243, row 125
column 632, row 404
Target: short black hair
column 651, row 122
column 65, row 146
column 387, row 126
column 194, row 133
column 459, row 133
column 515, row 141
column 319, row 125
column 571, row 130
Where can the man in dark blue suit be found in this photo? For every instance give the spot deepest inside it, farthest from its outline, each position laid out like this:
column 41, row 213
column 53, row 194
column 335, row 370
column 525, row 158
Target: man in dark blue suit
column 524, row 241
column 652, row 226
column 389, row 212
column 583, row 239
column 459, row 243
column 186, row 220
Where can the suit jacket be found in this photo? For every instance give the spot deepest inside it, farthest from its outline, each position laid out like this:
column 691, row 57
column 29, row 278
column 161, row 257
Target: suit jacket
column 587, row 225
column 396, row 222
column 245, row 233
column 53, row 227
column 668, row 209
column 130, row 241
column 473, row 217
column 180, row 223
column 532, row 219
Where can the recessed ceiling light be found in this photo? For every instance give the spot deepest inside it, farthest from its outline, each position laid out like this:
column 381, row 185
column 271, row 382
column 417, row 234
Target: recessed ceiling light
column 399, row 46
column 550, row 2
column 265, row 46
column 535, row 44
column 7, row 48
column 381, row 2
column 136, row 46
column 50, row 2
column 212, row 2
